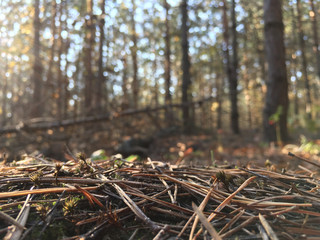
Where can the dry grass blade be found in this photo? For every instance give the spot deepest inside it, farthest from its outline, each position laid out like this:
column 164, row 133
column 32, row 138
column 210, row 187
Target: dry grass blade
column 11, row 220
column 237, row 228
column 232, row 221
column 201, row 207
column 137, row 211
column 42, row 191
column 206, row 223
column 164, row 182
column 90, row 197
column 227, row 200
column 268, row 228
column 15, row 232
column 303, row 159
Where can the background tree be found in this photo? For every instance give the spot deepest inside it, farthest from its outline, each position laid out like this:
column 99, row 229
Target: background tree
column 304, row 61
column 37, row 64
column 88, row 54
column 276, row 101
column 185, row 66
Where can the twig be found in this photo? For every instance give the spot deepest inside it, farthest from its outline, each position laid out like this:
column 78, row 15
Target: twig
column 206, row 223
column 303, row 159
column 11, row 220
column 268, row 228
column 133, row 206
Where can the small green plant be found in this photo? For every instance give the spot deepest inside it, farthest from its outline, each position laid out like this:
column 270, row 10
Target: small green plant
column 69, row 205
column 213, row 160
column 309, row 146
column 274, row 119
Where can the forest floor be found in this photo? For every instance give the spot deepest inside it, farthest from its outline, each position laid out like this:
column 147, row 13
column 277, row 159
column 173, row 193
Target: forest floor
column 246, row 149
column 184, row 176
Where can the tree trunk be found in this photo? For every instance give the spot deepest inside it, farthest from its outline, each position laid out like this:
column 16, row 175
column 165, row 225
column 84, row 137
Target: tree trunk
column 247, row 95
column 167, row 66
column 125, row 100
column 304, row 62
column 37, row 68
column 48, row 92
column 60, row 85
column 88, row 49
column 185, row 65
column 100, row 83
column 277, row 83
column 230, row 71
column 294, row 64
column 4, row 93
column 313, row 16
column 234, row 76
column 134, row 49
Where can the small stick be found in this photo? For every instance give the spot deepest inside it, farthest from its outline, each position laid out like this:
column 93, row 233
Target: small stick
column 206, row 223
column 268, row 228
column 11, row 220
column 303, row 159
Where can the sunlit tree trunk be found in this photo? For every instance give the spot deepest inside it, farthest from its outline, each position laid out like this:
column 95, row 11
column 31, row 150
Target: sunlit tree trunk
column 294, row 64
column 125, row 97
column 233, row 81
column 60, row 86
column 304, row 62
column 246, row 79
column 314, row 15
column 277, row 83
column 88, row 51
column 100, row 83
column 185, row 65
column 4, row 93
column 49, row 89
column 134, row 49
column 37, row 68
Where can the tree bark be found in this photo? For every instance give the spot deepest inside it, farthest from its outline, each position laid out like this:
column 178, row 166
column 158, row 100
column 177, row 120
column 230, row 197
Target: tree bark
column 125, row 100
column 185, row 65
column 50, row 86
column 304, row 62
column 134, row 49
column 88, row 49
column 234, row 76
column 277, row 83
column 37, row 68
column 100, row 83
column 167, row 65
column 313, row 16
column 60, row 85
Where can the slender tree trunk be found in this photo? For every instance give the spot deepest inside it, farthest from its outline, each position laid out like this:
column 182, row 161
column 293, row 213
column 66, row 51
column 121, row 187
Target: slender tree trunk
column 294, row 64
column 37, row 65
column 125, row 97
column 316, row 50
column 185, row 64
column 228, row 65
column 304, row 62
column 234, row 76
column 277, row 83
column 88, row 50
column 246, row 77
column 49, row 89
column 60, row 86
column 4, row 93
column 134, row 49
column 167, row 65
column 100, row 83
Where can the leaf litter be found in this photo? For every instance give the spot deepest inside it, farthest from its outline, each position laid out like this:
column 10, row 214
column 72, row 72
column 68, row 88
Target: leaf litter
column 118, row 198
